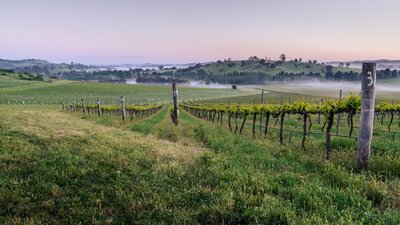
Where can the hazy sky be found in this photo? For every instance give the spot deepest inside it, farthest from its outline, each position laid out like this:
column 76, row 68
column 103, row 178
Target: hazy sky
column 179, row 31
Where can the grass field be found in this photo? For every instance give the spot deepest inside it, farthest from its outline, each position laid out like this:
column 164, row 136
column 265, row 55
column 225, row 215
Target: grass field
column 83, row 169
column 16, row 91
column 68, row 168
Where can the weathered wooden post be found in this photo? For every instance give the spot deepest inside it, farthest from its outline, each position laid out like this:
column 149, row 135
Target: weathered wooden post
column 368, row 80
column 176, row 104
column 331, row 117
column 123, row 110
column 338, row 118
column 98, row 107
column 304, row 128
column 229, row 106
column 281, row 127
column 229, row 114
column 83, row 106
column 262, row 102
column 319, row 115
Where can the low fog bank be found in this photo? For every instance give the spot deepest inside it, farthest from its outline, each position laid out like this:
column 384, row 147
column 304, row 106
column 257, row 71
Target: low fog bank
column 192, row 83
column 328, row 85
column 331, row 88
column 347, row 86
column 201, row 84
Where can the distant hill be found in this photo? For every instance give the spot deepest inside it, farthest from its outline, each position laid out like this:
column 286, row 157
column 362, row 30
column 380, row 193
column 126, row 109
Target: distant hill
column 249, row 71
column 266, row 66
column 255, row 71
column 7, row 75
column 41, row 67
column 13, row 64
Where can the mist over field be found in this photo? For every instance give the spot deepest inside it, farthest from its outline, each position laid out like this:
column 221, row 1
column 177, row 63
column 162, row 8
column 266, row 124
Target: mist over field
column 384, row 90
column 345, row 86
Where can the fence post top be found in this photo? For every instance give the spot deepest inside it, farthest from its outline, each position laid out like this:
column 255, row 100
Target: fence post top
column 368, row 76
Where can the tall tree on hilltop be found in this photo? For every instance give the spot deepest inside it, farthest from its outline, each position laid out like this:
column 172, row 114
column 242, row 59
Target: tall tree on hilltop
column 282, row 57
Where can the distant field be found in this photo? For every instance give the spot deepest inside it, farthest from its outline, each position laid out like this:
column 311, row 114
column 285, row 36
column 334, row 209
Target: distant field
column 387, row 89
column 31, row 92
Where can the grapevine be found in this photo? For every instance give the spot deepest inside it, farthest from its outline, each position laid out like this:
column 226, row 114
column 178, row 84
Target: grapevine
column 329, row 108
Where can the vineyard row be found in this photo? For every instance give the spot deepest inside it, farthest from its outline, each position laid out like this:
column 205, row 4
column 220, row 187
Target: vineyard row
column 328, row 109
column 134, row 111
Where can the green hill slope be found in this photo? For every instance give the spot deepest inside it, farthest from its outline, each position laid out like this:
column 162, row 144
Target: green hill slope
column 9, row 78
column 269, row 67
column 41, row 67
column 255, row 71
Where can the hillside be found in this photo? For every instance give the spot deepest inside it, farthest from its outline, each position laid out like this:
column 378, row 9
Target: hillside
column 255, row 71
column 268, row 67
column 251, row 71
column 14, row 64
column 41, row 67
column 8, row 77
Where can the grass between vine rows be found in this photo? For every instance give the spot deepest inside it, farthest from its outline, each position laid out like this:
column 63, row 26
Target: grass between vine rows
column 60, row 168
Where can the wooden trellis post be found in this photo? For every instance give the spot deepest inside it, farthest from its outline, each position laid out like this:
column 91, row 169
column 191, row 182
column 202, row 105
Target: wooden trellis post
column 175, row 114
column 262, row 102
column 338, row 119
column 368, row 80
column 83, row 106
column 123, row 110
column 98, row 107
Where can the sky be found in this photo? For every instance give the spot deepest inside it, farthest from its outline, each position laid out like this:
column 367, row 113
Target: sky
column 187, row 31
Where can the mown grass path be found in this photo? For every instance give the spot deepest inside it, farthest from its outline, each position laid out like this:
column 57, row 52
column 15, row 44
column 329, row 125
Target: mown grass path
column 148, row 124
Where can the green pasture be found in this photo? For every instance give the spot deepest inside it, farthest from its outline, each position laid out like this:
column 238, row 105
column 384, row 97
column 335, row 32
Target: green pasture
column 14, row 91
